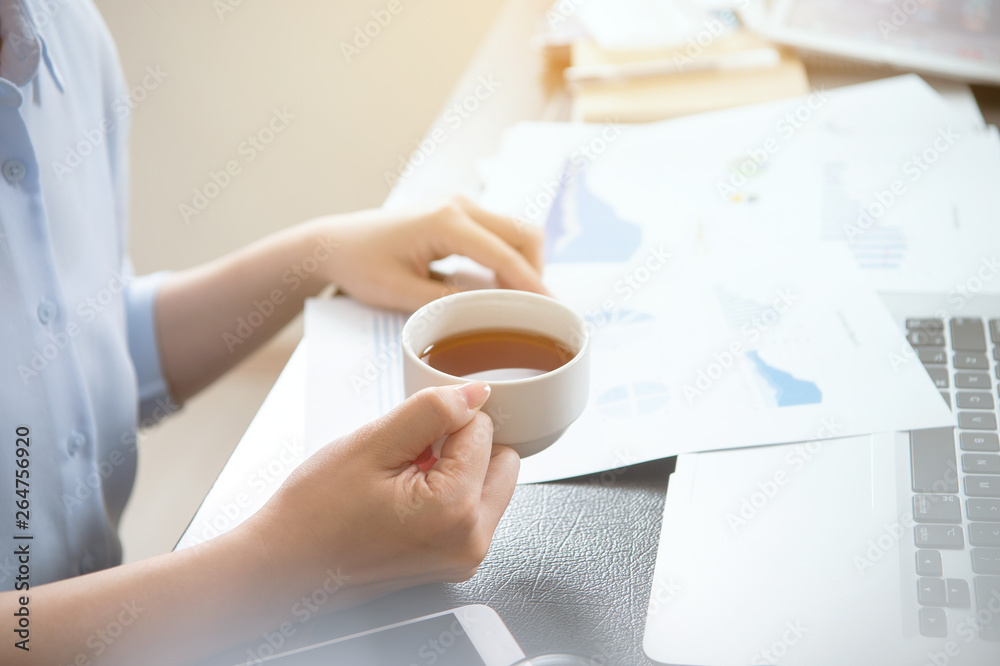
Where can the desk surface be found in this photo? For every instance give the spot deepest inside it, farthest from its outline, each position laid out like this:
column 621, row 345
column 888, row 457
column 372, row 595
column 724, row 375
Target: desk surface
column 571, row 564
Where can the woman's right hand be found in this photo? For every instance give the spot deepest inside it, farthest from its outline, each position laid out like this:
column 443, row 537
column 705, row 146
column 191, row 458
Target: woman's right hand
column 361, row 508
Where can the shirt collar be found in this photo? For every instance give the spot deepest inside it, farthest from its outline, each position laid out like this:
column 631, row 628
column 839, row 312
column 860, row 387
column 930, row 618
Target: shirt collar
column 22, row 47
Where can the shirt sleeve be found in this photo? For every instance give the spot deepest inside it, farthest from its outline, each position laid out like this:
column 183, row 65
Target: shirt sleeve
column 143, row 347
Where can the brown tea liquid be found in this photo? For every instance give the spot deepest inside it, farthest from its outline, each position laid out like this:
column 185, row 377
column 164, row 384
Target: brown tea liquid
column 497, row 354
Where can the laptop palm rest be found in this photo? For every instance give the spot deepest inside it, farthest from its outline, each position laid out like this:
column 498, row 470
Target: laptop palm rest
column 775, row 555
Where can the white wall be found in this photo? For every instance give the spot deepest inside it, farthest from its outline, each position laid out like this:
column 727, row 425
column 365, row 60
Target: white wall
column 352, row 120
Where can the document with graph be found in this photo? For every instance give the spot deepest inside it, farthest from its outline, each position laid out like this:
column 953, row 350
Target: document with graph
column 768, row 347
column 854, row 166
column 719, row 317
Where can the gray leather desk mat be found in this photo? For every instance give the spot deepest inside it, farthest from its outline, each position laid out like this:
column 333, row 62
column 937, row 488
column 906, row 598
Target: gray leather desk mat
column 570, row 570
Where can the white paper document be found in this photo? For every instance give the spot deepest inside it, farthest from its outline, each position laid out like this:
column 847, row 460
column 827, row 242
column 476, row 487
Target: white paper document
column 908, row 192
column 728, row 305
column 687, row 356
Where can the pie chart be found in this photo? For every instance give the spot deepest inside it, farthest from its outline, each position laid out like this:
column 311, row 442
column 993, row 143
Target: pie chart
column 633, row 399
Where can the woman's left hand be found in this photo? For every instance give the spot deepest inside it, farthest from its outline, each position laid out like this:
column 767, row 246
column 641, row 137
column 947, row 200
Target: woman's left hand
column 382, row 257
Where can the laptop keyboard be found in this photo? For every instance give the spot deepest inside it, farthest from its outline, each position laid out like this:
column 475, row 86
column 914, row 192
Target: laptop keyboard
column 956, row 475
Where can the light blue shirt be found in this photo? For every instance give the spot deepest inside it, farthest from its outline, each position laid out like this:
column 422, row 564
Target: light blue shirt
column 78, row 355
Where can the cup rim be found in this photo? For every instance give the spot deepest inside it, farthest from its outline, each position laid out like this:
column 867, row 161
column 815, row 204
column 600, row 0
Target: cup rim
column 479, row 293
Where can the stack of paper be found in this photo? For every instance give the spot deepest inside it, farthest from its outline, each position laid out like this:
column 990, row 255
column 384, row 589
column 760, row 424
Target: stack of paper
column 725, row 264
column 887, row 169
column 647, row 60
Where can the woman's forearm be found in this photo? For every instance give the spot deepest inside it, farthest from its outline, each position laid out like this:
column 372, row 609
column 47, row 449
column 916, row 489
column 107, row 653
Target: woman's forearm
column 210, row 317
column 166, row 610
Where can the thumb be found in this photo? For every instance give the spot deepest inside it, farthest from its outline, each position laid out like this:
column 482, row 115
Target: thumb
column 423, row 419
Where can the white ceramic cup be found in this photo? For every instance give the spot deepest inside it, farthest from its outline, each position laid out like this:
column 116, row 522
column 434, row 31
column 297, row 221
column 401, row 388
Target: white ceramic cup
column 531, row 413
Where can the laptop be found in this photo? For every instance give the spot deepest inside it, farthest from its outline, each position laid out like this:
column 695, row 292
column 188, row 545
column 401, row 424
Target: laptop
column 882, row 549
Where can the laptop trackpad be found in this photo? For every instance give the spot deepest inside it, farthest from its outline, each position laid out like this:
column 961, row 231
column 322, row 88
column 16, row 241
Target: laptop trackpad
column 754, row 539
column 816, row 477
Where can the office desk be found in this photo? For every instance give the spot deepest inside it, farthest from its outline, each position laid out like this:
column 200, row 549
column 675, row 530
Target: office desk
column 571, row 564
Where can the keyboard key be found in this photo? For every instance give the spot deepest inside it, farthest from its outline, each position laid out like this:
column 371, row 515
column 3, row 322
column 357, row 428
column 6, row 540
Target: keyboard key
column 958, row 593
column 968, row 335
column 977, row 421
column 971, row 380
column 982, row 486
column 938, row 375
column 932, row 460
column 971, row 361
column 925, row 324
column 933, row 623
column 986, row 561
column 984, row 534
column 980, row 463
column 925, row 339
column 979, row 441
column 937, row 509
column 938, row 536
column 974, row 400
column 932, row 356
column 987, row 600
column 983, row 509
column 947, row 398
column 932, row 592
column 929, row 563
column 995, row 330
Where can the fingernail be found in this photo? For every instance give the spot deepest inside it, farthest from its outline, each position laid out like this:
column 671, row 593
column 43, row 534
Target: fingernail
column 476, row 394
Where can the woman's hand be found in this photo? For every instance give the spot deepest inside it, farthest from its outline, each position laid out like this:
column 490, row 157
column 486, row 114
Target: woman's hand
column 361, row 507
column 383, row 256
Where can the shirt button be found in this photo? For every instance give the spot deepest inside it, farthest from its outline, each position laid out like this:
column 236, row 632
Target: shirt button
column 75, row 442
column 47, row 311
column 14, row 171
